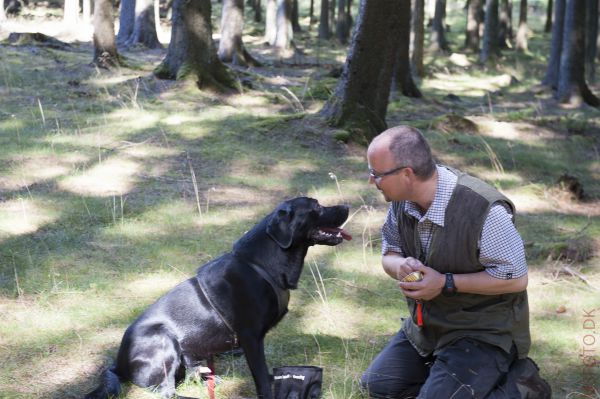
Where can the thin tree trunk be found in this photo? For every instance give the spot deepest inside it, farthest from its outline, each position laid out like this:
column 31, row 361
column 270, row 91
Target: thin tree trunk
column 490, row 50
column 418, row 27
column 332, row 19
column 342, row 29
column 271, row 22
column 295, row 17
column 551, row 78
column 126, row 21
column 105, row 46
column 144, row 27
column 71, row 12
column 548, row 25
column 191, row 53
column 283, row 39
column 571, row 82
column 438, row 30
column 591, row 33
column 474, row 21
column 311, row 12
column 231, row 45
column 505, row 24
column 324, row 32
column 522, row 32
column 403, row 76
column 361, row 97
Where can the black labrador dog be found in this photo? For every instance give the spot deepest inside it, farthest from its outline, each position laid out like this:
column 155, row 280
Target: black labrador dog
column 232, row 301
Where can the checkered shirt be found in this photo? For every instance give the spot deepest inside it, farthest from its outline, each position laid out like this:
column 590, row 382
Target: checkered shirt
column 501, row 249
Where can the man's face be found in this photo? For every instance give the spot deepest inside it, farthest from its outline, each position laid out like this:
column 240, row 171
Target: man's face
column 385, row 173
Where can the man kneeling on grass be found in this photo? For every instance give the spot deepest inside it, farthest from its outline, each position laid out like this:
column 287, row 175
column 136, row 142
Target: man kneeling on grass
column 468, row 331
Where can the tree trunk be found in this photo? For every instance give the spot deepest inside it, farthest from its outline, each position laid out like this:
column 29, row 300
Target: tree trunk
column 403, row 76
column 71, row 12
column 126, row 21
column 324, row 32
column 474, row 21
column 105, row 46
column 522, row 32
column 571, row 79
column 271, row 22
column 231, row 45
column 87, row 11
column 191, row 53
column 418, row 26
column 311, row 12
column 548, row 26
column 361, row 96
column 551, row 78
column 144, row 26
column 295, row 17
column 505, row 34
column 591, row 36
column 490, row 50
column 438, row 31
column 285, row 34
column 342, row 28
column 332, row 20
column 257, row 11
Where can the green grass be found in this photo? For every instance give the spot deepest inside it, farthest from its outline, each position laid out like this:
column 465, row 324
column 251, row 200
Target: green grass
column 100, row 212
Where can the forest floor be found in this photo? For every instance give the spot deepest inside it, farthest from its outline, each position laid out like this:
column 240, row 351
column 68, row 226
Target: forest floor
column 114, row 186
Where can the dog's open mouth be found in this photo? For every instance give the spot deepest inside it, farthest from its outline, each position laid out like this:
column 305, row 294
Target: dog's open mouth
column 330, row 235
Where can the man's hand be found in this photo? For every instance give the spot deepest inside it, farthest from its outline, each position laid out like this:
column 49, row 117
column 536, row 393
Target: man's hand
column 426, row 289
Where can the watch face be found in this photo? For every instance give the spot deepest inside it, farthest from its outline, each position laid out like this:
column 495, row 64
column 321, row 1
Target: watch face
column 449, row 287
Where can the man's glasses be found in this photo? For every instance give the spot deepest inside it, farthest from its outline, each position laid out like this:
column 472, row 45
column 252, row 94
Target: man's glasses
column 379, row 176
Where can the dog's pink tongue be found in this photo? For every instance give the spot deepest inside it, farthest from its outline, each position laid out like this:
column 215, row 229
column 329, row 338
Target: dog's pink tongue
column 345, row 235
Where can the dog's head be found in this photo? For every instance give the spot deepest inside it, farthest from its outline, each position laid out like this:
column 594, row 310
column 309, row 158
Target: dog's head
column 303, row 221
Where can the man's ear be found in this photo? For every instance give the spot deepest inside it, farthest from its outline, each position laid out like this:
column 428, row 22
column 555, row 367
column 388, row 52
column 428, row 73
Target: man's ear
column 280, row 228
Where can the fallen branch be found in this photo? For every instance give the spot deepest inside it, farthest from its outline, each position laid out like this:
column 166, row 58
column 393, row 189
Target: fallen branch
column 573, row 273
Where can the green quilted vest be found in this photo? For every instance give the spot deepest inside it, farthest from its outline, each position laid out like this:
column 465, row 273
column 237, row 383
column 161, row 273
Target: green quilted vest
column 499, row 320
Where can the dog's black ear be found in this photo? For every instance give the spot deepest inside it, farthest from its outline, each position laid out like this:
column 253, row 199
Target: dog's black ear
column 280, row 228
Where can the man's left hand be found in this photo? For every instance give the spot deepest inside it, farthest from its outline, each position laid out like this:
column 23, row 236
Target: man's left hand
column 426, row 289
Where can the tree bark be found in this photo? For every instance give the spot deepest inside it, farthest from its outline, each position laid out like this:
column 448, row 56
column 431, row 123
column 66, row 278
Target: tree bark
column 144, row 26
column 342, row 28
column 105, row 46
column 591, row 35
column 571, row 81
column 361, row 97
column 324, row 32
column 438, row 31
column 474, row 21
column 257, row 11
column 126, row 21
column 505, row 33
column 403, row 76
column 548, row 25
column 231, row 45
column 551, row 78
column 285, row 33
column 71, row 12
column 521, row 42
column 191, row 53
column 418, row 27
column 311, row 12
column 295, row 17
column 271, row 22
column 332, row 19
column 490, row 50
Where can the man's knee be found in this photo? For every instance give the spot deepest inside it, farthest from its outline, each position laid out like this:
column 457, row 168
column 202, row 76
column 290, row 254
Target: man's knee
column 382, row 387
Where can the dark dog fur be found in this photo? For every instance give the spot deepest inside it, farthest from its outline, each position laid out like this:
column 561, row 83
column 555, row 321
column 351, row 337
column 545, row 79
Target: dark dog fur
column 228, row 301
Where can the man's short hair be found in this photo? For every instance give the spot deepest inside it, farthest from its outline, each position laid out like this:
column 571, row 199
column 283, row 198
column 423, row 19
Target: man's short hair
column 409, row 148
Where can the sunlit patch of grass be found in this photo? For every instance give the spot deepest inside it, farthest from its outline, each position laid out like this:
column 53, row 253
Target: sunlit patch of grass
column 108, row 178
column 24, row 216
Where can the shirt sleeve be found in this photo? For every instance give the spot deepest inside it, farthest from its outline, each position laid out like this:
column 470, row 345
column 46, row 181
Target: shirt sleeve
column 390, row 236
column 502, row 252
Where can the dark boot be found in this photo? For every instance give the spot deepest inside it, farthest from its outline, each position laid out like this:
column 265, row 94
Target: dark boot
column 529, row 382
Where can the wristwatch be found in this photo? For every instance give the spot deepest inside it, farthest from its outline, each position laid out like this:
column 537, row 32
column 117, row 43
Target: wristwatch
column 449, row 287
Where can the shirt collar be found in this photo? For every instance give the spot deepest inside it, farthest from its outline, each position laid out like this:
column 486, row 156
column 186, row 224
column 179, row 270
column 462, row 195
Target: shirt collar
column 446, row 181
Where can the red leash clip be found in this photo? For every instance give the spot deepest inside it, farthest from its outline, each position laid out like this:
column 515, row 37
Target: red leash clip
column 419, row 314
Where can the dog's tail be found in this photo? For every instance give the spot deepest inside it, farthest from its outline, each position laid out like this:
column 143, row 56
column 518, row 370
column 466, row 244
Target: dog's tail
column 110, row 386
